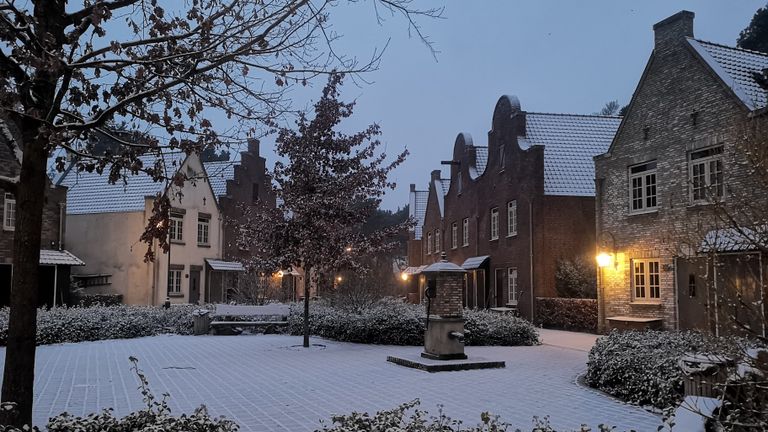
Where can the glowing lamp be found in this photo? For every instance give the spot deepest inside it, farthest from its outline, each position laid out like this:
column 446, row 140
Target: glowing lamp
column 338, row 278
column 604, row 259
column 404, row 276
column 280, row 274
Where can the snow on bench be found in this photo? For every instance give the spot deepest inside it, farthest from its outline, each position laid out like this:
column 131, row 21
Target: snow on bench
column 275, row 314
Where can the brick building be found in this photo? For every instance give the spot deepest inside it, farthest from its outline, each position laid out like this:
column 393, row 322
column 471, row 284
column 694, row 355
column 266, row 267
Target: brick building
column 512, row 209
column 240, row 184
column 672, row 169
column 55, row 262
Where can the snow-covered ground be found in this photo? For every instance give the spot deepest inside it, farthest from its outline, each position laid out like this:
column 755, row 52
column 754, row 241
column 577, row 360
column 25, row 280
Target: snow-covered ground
column 267, row 383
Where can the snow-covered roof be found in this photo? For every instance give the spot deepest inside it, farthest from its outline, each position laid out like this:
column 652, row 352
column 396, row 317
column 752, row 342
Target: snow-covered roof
column 481, row 159
column 220, row 265
column 473, row 263
column 734, row 240
column 417, row 209
column 441, row 190
column 570, row 142
column 92, row 193
column 736, row 67
column 59, row 257
column 218, row 174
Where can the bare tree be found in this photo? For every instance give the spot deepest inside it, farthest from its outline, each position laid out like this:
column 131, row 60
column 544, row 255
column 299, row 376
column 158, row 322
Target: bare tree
column 328, row 187
column 174, row 69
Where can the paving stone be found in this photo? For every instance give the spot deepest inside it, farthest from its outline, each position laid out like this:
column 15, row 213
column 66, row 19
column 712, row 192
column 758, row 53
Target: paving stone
column 264, row 383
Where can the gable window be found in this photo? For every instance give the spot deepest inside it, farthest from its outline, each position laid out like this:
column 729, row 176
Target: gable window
column 9, row 212
column 437, row 241
column 501, row 157
column 512, row 218
column 203, row 227
column 705, row 171
column 174, row 281
column 495, row 223
column 429, row 242
column 645, row 279
column 176, row 227
column 458, row 183
column 642, row 188
column 465, row 232
column 454, row 235
column 512, row 293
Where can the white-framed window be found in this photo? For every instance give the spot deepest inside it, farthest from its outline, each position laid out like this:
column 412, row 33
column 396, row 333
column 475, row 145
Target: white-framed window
column 437, row 241
column 512, row 292
column 512, row 218
column 705, row 174
column 9, row 212
column 203, row 228
column 176, row 227
column 429, row 242
column 646, row 279
column 174, row 281
column 642, row 188
column 495, row 223
column 454, row 235
column 465, row 232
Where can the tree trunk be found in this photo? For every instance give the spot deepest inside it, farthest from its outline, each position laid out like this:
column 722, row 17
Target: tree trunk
column 307, row 282
column 19, row 373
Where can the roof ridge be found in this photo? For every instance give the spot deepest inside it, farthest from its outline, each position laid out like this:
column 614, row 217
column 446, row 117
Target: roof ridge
column 576, row 115
column 760, row 53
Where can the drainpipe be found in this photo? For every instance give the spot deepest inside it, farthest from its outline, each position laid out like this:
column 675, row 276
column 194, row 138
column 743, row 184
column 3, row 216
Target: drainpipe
column 530, row 252
column 62, row 214
column 676, row 287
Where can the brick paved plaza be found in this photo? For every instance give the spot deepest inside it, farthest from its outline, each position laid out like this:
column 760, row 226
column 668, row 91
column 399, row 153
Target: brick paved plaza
column 265, row 383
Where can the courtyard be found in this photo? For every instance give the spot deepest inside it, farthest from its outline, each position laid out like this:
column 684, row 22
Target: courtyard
column 269, row 383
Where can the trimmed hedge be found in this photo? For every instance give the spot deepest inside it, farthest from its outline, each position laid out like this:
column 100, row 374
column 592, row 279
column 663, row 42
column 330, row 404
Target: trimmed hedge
column 567, row 313
column 78, row 324
column 642, row 367
column 88, row 300
column 392, row 322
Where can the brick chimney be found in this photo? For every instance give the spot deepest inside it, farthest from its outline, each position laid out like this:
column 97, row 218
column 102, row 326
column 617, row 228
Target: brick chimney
column 673, row 29
column 413, row 187
column 435, row 175
column 253, row 146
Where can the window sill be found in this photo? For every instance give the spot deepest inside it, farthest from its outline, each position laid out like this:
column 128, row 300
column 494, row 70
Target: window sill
column 512, row 235
column 204, row 245
column 644, row 212
column 175, row 295
column 177, row 242
column 646, row 303
column 494, row 239
column 466, row 245
column 6, row 228
column 704, row 204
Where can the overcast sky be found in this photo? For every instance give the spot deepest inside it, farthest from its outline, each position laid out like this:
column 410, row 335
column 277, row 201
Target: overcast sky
column 555, row 56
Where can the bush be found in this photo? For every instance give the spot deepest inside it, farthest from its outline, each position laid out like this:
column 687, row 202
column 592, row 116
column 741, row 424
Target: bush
column 483, row 327
column 80, row 324
column 88, row 300
column 155, row 417
column 642, row 367
column 407, row 417
column 392, row 322
column 576, row 278
column 567, row 313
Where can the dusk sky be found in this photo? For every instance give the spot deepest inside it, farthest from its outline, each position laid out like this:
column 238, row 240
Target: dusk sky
column 555, row 56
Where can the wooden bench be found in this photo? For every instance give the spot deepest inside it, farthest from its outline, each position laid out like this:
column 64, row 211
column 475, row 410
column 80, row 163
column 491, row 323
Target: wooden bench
column 269, row 317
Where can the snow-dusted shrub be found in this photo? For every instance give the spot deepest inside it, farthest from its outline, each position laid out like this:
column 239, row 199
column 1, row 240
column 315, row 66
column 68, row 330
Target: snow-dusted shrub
column 388, row 322
column 80, row 324
column 392, row 322
column 567, row 313
column 642, row 367
column 88, row 300
column 408, row 418
column 155, row 417
column 483, row 327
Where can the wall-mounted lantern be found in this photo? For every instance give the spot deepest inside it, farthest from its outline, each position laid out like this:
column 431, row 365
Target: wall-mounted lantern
column 606, row 251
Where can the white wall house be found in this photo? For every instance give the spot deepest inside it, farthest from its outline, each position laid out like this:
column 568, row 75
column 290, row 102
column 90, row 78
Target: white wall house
column 105, row 223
